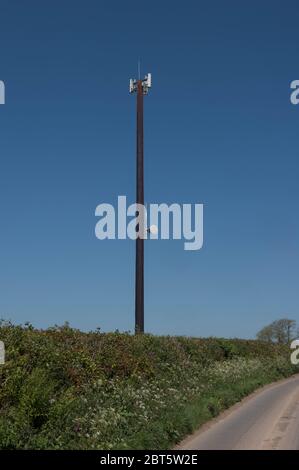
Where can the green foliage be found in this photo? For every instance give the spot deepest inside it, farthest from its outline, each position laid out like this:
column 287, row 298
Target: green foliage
column 64, row 389
column 282, row 331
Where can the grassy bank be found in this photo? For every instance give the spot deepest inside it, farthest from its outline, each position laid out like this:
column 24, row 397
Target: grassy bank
column 64, row 389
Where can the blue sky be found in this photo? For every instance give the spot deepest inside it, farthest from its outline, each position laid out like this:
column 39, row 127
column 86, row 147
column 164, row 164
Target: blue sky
column 220, row 130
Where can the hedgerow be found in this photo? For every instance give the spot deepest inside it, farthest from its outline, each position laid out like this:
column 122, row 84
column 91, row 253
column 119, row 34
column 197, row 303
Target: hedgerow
column 64, row 389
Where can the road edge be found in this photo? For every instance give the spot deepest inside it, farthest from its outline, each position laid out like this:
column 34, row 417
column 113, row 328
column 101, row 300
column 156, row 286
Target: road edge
column 208, row 424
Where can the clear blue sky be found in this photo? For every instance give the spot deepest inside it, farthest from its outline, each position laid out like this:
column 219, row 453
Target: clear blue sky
column 220, row 130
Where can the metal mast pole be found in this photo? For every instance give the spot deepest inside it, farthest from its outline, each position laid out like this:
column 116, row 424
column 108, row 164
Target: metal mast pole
column 139, row 268
column 141, row 88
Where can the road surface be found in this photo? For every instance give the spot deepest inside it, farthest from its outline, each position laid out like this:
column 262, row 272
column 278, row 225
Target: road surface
column 268, row 419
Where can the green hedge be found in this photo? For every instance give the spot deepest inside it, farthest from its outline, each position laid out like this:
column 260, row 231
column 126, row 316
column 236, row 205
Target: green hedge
column 64, row 389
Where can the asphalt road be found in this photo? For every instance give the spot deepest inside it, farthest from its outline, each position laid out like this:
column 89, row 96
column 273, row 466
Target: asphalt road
column 268, row 419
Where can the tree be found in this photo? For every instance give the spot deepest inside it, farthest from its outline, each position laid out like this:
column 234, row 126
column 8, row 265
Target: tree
column 265, row 334
column 280, row 331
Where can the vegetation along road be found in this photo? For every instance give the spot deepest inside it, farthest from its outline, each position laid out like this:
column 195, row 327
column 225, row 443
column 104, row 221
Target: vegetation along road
column 62, row 388
column 268, row 419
